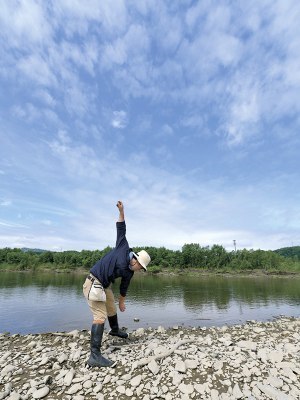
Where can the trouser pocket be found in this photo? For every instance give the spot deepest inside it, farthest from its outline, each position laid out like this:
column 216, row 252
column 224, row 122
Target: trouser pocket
column 97, row 293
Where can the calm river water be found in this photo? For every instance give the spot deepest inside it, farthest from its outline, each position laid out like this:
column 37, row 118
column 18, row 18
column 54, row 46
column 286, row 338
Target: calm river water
column 48, row 302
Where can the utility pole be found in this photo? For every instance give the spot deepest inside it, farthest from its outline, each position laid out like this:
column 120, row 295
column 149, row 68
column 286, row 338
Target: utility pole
column 234, row 243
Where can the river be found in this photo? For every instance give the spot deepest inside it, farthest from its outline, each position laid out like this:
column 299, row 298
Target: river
column 50, row 302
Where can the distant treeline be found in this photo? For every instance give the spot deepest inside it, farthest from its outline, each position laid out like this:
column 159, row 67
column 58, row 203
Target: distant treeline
column 190, row 256
column 291, row 252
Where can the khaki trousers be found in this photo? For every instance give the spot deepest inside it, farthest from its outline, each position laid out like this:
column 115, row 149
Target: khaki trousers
column 100, row 309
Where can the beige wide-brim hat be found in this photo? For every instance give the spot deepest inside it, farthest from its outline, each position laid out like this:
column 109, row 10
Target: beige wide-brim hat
column 143, row 258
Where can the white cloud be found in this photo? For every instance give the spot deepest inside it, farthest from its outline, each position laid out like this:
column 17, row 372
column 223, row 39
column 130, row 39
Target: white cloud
column 36, row 68
column 211, row 69
column 131, row 49
column 84, row 56
column 9, row 224
column 77, row 15
column 34, row 113
column 162, row 209
column 45, row 97
column 167, row 130
column 120, row 119
column 24, row 21
column 76, row 100
column 47, row 222
column 244, row 113
column 5, row 203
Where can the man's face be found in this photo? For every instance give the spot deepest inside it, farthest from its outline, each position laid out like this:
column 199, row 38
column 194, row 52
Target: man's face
column 135, row 265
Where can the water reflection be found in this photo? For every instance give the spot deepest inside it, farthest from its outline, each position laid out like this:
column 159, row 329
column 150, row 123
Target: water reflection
column 54, row 301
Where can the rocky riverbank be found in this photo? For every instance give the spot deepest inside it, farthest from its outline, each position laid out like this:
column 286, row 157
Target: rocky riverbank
column 252, row 361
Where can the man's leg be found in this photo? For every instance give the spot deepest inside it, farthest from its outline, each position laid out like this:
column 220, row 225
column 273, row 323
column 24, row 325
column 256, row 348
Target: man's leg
column 112, row 315
column 98, row 309
column 96, row 359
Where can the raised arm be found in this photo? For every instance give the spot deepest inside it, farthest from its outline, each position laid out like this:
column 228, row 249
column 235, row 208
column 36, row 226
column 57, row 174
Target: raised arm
column 120, row 206
column 121, row 211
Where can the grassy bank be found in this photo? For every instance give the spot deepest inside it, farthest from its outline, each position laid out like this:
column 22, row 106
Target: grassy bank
column 286, row 270
column 191, row 259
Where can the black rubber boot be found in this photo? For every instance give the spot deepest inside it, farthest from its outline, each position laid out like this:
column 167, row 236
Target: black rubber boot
column 96, row 359
column 115, row 331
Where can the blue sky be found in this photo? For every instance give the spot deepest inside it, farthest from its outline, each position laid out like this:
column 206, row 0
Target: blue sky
column 187, row 111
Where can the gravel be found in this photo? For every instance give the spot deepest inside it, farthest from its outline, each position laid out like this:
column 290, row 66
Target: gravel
column 252, row 361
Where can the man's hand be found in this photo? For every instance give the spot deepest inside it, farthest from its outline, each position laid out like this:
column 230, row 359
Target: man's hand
column 120, row 206
column 122, row 306
column 121, row 210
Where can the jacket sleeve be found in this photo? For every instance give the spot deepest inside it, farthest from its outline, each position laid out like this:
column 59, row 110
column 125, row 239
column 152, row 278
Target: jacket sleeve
column 125, row 283
column 121, row 234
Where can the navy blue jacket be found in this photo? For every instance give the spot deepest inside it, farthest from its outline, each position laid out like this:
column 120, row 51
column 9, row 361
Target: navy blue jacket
column 115, row 264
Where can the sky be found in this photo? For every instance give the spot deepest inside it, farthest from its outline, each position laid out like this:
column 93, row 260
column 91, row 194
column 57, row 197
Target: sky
column 188, row 112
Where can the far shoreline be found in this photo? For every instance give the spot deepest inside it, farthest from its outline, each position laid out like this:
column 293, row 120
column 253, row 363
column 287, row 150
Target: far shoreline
column 197, row 272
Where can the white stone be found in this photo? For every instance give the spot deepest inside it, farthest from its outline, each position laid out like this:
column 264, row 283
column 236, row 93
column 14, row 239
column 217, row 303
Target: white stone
column 286, row 364
column 275, row 356
column 140, row 332
column 121, row 389
column 40, row 393
column 262, row 354
column 218, row 365
column 289, row 374
column 258, row 330
column 69, row 377
column 74, row 333
column 76, row 355
column 126, row 377
column 290, row 348
column 8, row 387
column 136, row 381
column 62, row 358
column 177, row 378
column 200, row 388
column 44, row 361
column 186, row 389
column 191, row 364
column 107, row 379
column 180, row 366
column 159, row 350
column 8, row 369
column 247, row 344
column 88, row 384
column 237, row 392
column 74, row 388
column 98, row 388
column 14, row 396
column 5, row 356
column 274, row 381
column 214, row 394
column 246, row 371
column 153, row 367
column 33, row 383
column 129, row 392
column 164, row 389
column 272, row 392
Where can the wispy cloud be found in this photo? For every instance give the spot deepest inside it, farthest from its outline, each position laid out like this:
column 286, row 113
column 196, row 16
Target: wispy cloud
column 119, row 119
column 188, row 112
column 8, row 224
